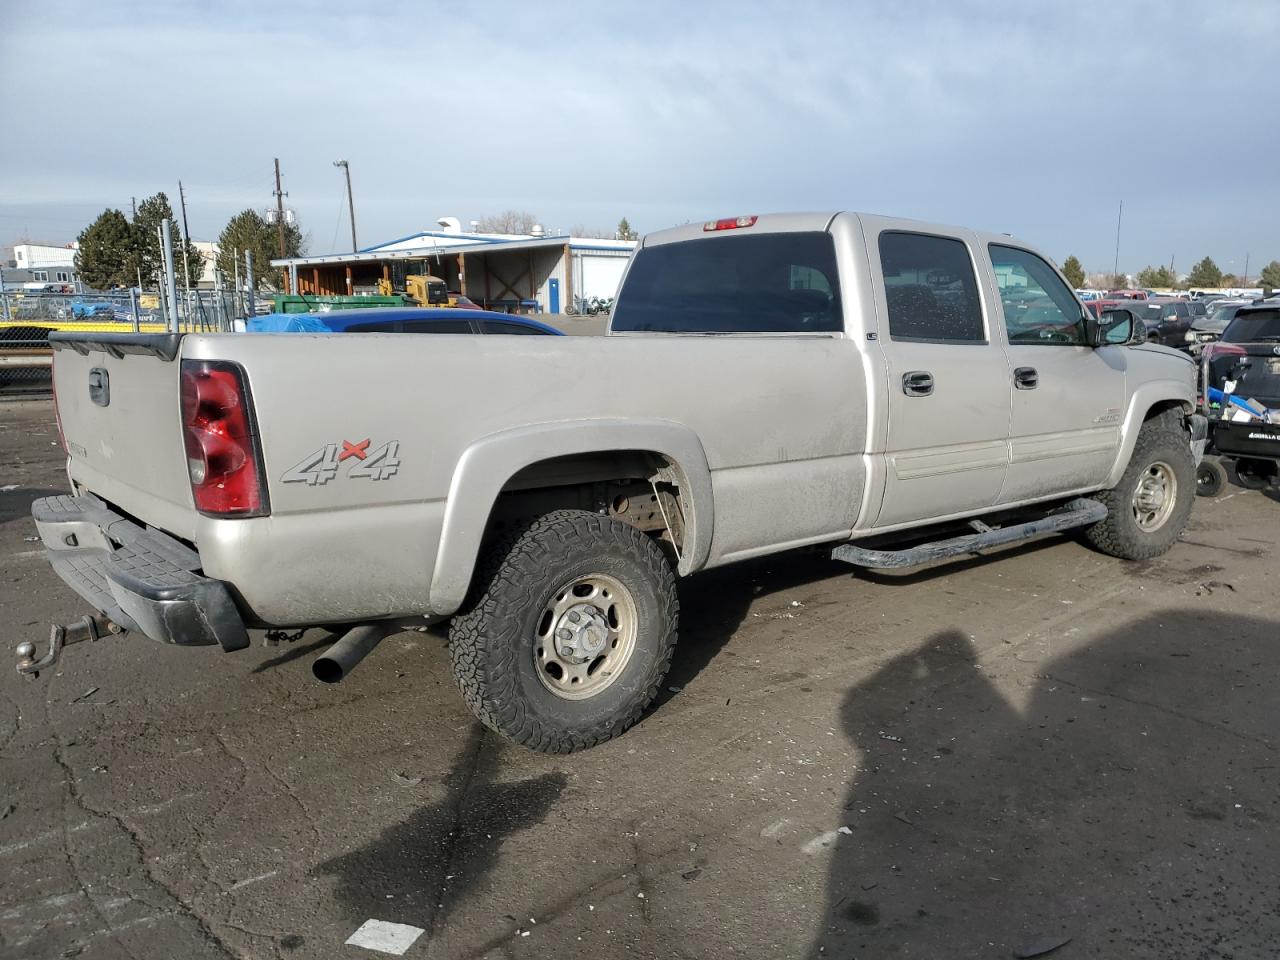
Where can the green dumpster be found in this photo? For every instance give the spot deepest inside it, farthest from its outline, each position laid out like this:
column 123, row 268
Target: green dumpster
column 293, row 303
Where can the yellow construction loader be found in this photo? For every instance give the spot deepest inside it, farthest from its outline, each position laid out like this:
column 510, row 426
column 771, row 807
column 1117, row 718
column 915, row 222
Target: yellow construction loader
column 427, row 290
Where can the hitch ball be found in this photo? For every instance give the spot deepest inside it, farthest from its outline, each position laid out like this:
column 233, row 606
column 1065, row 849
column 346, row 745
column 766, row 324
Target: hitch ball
column 25, row 650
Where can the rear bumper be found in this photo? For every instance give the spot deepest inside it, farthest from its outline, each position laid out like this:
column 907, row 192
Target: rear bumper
column 140, row 578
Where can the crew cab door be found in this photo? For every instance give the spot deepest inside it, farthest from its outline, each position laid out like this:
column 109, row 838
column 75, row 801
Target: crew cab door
column 948, row 397
column 1067, row 397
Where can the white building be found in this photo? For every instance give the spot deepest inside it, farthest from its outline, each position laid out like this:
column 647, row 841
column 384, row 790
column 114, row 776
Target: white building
column 47, row 263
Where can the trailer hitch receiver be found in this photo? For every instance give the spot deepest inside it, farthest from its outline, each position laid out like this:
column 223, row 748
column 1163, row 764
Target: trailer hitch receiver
column 86, row 628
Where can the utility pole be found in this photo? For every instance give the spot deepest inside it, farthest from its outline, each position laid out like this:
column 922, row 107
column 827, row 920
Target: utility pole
column 186, row 236
column 351, row 207
column 133, row 203
column 1244, row 281
column 1115, row 270
column 280, row 222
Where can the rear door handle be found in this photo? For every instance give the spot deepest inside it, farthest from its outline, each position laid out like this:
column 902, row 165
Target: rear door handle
column 1026, row 378
column 917, row 383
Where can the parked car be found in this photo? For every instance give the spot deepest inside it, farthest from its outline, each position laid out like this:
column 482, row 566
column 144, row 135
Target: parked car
column 1167, row 320
column 1209, row 328
column 1127, row 295
column 766, row 383
column 400, row 320
column 1164, row 320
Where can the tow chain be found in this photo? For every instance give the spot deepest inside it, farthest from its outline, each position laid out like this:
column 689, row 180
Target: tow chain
column 275, row 637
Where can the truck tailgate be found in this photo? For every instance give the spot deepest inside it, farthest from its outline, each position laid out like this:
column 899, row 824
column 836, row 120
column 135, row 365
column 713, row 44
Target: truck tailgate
column 120, row 411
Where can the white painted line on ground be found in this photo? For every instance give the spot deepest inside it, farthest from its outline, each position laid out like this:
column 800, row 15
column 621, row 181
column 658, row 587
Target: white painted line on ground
column 9, row 487
column 385, row 937
column 244, row 883
column 25, row 555
column 817, row 843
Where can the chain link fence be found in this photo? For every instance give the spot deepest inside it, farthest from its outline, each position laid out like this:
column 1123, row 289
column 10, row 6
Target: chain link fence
column 27, row 318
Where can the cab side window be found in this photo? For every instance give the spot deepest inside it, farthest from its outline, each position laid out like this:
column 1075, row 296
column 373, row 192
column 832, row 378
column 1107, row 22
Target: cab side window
column 1039, row 308
column 930, row 289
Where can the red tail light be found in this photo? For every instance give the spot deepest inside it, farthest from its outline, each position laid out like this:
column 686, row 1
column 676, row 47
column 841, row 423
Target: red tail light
column 223, row 455
column 729, row 223
column 1213, row 351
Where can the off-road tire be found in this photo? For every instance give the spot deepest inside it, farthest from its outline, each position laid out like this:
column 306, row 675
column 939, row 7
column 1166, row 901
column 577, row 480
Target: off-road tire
column 1161, row 439
column 492, row 641
column 1211, row 477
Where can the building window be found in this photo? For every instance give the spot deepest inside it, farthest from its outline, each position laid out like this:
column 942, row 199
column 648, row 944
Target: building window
column 42, row 276
column 63, row 276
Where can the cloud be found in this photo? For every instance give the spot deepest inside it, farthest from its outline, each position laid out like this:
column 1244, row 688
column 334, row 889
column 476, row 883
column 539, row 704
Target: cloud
column 1033, row 118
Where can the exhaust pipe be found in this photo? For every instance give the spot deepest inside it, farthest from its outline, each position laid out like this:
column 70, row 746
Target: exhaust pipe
column 340, row 659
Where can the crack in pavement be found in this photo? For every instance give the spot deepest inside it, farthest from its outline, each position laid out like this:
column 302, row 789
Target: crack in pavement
column 73, row 795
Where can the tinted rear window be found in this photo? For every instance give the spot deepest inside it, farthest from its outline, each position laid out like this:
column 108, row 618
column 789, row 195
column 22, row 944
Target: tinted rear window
column 744, row 283
column 412, row 326
column 1253, row 325
column 502, row 326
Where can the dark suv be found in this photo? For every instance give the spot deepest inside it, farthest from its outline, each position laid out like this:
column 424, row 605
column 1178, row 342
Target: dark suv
column 1167, row 320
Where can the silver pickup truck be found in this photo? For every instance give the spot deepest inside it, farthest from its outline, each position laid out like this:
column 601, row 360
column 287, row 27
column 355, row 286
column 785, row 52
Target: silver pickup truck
column 900, row 391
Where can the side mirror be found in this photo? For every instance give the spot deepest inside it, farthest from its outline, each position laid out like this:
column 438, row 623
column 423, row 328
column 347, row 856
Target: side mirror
column 1112, row 327
column 1190, row 336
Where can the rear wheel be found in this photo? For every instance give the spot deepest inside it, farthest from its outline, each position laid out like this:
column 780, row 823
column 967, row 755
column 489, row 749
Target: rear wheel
column 569, row 632
column 1148, row 509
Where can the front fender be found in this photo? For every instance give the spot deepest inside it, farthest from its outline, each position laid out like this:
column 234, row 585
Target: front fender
column 1144, row 398
column 486, row 466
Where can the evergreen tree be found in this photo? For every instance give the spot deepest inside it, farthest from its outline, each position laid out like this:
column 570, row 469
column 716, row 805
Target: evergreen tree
column 106, row 251
column 248, row 230
column 1205, row 274
column 1270, row 276
column 1156, row 277
column 152, row 212
column 625, row 232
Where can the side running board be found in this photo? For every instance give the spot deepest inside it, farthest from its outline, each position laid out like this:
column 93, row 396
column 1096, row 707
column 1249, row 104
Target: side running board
column 1077, row 513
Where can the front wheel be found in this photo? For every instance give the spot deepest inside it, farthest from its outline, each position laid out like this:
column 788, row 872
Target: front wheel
column 569, row 632
column 1148, row 509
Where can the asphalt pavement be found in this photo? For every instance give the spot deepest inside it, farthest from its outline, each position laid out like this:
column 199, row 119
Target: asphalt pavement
column 995, row 756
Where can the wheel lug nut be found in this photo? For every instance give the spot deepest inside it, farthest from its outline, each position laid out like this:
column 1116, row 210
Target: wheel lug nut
column 564, row 634
column 574, row 616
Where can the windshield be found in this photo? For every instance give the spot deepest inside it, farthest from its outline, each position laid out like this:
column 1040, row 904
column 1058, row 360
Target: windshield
column 1253, row 326
column 1218, row 318
column 737, row 283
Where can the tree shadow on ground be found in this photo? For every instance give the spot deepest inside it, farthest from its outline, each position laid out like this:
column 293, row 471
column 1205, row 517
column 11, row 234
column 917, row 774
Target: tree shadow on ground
column 1125, row 798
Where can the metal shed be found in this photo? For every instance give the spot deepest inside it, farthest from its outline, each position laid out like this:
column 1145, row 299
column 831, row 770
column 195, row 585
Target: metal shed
column 517, row 274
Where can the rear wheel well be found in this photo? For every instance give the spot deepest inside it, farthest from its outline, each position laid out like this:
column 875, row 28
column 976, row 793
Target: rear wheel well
column 641, row 488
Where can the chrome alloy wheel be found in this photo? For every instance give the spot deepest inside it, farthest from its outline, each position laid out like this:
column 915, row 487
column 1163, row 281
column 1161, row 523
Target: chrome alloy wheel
column 1155, row 496
column 585, row 636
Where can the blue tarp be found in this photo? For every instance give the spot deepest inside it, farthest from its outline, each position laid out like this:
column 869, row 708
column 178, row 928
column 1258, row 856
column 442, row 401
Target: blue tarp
column 287, row 323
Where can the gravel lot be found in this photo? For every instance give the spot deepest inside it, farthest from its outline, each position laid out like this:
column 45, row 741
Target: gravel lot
column 964, row 762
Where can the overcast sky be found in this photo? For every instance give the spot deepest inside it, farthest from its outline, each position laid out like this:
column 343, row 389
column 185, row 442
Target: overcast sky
column 1029, row 117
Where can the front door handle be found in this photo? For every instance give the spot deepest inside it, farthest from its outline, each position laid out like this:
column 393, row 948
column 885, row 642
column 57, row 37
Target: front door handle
column 1026, row 378
column 917, row 383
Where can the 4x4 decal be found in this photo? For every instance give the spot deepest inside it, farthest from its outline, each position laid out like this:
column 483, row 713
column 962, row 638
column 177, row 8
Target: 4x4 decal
column 320, row 467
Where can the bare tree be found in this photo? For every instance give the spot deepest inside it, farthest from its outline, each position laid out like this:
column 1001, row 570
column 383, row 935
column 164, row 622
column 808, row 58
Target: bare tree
column 509, row 221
